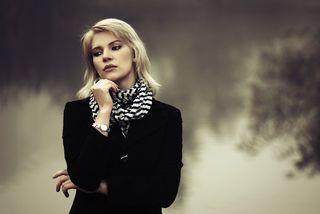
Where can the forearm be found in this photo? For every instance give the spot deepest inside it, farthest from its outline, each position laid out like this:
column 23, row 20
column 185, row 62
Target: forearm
column 86, row 165
column 64, row 182
column 103, row 188
column 103, row 117
column 155, row 190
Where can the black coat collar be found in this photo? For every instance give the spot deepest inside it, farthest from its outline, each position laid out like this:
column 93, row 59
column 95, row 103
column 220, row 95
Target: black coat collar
column 140, row 128
column 154, row 120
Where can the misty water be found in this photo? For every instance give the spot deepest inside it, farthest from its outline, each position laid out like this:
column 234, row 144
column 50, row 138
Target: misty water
column 216, row 178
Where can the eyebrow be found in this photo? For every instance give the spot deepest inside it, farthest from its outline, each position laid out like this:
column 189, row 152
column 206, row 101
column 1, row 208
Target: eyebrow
column 108, row 44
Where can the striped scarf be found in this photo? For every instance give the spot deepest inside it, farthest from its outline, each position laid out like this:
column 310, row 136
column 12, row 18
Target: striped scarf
column 131, row 104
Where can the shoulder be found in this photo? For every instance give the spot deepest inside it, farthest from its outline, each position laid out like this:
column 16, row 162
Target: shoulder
column 164, row 106
column 81, row 102
column 77, row 106
column 168, row 109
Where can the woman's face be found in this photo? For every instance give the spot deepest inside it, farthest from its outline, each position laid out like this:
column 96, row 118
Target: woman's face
column 113, row 59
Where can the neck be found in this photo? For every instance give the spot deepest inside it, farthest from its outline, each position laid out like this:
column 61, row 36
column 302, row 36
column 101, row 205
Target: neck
column 127, row 82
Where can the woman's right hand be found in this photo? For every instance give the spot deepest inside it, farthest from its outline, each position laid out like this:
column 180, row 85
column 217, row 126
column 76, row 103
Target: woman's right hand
column 104, row 99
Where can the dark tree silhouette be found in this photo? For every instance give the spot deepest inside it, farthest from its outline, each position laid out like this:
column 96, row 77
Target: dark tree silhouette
column 284, row 103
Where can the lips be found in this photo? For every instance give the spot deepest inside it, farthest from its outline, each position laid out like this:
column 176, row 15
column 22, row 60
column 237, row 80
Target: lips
column 109, row 67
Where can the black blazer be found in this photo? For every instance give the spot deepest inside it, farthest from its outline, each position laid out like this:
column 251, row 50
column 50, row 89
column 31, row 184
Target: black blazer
column 142, row 170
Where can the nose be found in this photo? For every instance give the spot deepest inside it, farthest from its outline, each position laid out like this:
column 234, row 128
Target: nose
column 106, row 55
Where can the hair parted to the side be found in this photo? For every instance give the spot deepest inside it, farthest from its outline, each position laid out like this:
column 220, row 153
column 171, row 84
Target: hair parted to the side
column 126, row 34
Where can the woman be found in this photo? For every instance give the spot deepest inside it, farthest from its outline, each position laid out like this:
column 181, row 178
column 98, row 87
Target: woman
column 123, row 148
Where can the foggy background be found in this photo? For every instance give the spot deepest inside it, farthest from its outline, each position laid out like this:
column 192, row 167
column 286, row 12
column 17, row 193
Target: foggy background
column 245, row 75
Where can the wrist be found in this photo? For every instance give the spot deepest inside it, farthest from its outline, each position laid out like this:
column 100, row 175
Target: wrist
column 103, row 187
column 103, row 117
column 101, row 127
column 105, row 111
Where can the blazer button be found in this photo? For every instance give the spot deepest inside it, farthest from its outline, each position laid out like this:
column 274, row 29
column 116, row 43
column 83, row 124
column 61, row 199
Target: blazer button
column 124, row 158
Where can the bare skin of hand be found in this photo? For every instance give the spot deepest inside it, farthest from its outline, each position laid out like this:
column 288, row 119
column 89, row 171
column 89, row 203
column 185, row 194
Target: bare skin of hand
column 105, row 103
column 65, row 183
column 99, row 90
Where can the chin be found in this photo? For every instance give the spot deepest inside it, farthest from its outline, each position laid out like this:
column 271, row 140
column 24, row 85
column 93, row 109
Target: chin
column 113, row 78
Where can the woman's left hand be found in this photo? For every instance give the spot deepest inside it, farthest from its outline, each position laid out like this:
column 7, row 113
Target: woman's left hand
column 64, row 182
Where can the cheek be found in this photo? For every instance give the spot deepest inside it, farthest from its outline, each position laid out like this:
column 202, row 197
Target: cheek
column 97, row 67
column 126, row 56
column 94, row 62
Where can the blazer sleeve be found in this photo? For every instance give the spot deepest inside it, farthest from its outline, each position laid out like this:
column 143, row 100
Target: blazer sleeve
column 85, row 151
column 160, row 188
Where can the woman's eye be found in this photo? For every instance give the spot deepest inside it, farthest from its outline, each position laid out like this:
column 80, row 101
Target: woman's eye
column 96, row 53
column 116, row 47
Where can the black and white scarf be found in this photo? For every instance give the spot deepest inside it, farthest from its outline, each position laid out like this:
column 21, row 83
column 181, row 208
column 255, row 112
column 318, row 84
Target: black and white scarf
column 131, row 104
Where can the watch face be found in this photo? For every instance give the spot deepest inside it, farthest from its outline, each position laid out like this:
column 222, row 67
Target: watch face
column 104, row 127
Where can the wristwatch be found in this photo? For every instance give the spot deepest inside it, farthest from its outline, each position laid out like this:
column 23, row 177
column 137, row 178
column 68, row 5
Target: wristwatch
column 101, row 127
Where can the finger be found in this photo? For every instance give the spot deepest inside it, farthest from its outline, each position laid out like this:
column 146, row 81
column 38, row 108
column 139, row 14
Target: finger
column 66, row 186
column 61, row 181
column 101, row 85
column 66, row 193
column 114, row 84
column 65, row 189
column 114, row 88
column 60, row 172
column 111, row 85
column 106, row 82
column 97, row 84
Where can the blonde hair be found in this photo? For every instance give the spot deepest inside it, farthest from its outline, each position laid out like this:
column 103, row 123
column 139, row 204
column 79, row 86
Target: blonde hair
column 126, row 34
